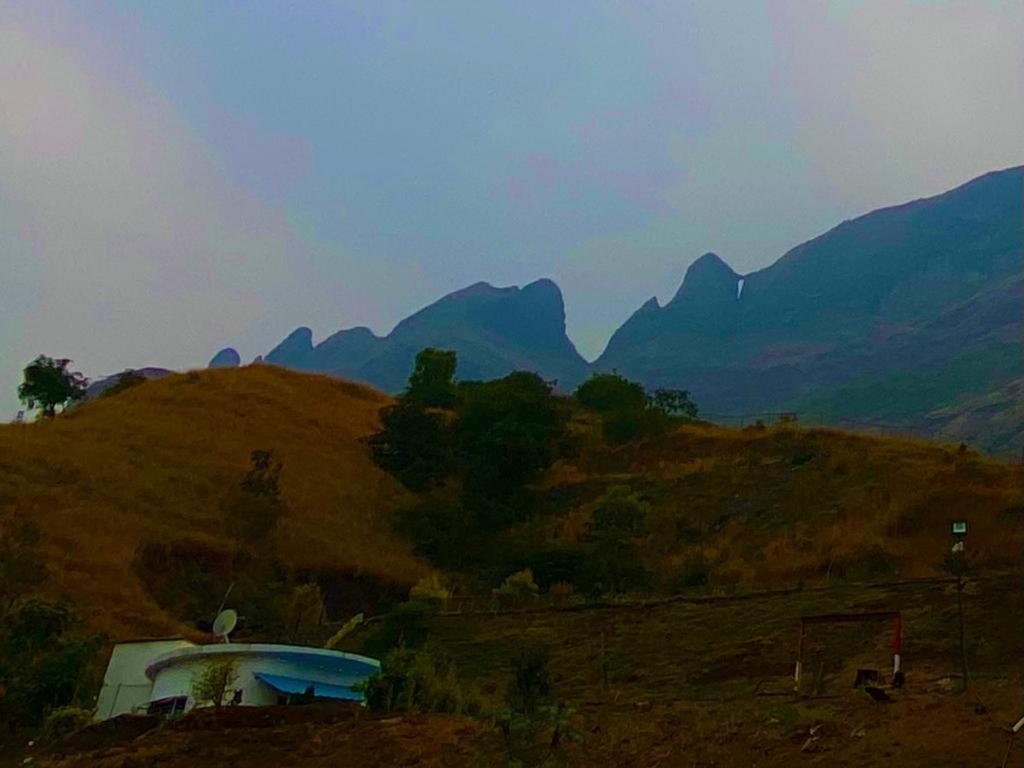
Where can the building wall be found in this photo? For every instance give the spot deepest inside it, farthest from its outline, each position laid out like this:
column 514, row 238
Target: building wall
column 126, row 688
column 177, row 678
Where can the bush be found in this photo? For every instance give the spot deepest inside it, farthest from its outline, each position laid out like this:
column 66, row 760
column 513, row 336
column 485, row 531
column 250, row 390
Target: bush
column 696, row 572
column 215, row 682
column 531, row 680
column 623, row 426
column 44, row 658
column 609, row 393
column 558, row 564
column 63, row 722
column 407, row 623
column 620, row 514
column 614, row 567
column 418, row 681
column 430, row 589
column 254, row 511
column 517, row 590
column 561, row 592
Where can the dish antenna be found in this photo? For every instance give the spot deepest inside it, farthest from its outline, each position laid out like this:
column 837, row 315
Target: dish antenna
column 225, row 623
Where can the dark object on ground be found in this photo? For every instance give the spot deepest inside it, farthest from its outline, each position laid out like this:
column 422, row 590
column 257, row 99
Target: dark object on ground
column 877, row 694
column 898, row 680
column 865, row 676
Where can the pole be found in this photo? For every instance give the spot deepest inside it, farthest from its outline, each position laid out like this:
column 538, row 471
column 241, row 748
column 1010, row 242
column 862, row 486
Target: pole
column 960, row 616
column 799, row 659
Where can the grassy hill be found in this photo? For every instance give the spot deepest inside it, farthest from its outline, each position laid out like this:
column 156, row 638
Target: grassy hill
column 787, row 505
column 777, row 506
column 693, row 671
column 157, row 462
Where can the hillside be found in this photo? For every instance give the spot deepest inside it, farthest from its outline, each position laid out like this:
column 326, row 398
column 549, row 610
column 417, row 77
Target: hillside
column 891, row 317
column 785, row 505
column 156, row 463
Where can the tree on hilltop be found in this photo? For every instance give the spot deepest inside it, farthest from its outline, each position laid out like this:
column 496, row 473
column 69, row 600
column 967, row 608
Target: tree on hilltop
column 432, row 382
column 49, row 384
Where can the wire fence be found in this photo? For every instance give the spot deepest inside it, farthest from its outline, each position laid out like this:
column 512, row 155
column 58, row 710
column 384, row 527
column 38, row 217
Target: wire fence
column 913, row 429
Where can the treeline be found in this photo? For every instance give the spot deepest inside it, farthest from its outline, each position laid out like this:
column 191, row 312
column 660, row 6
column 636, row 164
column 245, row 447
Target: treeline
column 474, row 451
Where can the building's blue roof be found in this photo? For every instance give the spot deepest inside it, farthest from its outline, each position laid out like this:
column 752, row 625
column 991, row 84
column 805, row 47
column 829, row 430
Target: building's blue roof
column 298, row 685
column 336, row 662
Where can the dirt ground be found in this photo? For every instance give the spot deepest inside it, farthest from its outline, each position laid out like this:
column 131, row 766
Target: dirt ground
column 683, row 684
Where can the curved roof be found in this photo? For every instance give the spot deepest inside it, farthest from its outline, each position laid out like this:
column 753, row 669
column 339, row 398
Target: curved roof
column 314, row 658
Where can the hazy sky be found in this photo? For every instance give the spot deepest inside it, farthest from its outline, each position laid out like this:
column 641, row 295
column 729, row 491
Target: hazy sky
column 179, row 176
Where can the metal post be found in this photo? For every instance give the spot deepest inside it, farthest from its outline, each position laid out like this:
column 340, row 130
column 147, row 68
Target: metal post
column 897, row 656
column 960, row 616
column 799, row 659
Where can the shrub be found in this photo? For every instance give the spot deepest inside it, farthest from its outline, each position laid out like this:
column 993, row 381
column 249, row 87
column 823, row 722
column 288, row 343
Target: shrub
column 407, row 624
column 418, row 681
column 696, row 572
column 618, row 515
column 531, row 680
column 614, row 567
column 430, row 589
column 557, row 564
column 63, row 722
column 257, row 507
column 518, row 589
column 44, row 658
column 561, row 592
column 215, row 681
column 609, row 393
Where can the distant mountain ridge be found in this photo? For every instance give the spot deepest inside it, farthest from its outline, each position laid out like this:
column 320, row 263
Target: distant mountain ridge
column 493, row 330
column 895, row 316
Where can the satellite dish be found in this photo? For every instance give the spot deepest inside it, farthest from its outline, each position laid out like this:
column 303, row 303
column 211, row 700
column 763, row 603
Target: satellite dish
column 225, row 623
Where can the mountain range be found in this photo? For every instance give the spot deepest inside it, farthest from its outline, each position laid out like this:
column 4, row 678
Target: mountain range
column 909, row 315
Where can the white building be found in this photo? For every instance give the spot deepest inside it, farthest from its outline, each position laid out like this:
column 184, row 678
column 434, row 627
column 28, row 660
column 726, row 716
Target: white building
column 157, row 676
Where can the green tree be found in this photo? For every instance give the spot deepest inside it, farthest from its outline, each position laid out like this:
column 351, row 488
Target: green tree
column 419, row 681
column 609, row 393
column 674, row 402
column 49, row 384
column 258, row 506
column 415, row 445
column 531, row 680
column 432, row 382
column 618, row 515
column 508, row 432
column 216, row 678
column 612, row 564
column 44, row 657
column 21, row 566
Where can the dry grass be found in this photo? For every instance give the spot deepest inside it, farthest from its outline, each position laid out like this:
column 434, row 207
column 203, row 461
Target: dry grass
column 787, row 505
column 157, row 461
column 762, row 507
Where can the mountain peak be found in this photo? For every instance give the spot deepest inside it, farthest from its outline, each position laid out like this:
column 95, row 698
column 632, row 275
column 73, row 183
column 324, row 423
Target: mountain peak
column 226, row 358
column 297, row 345
column 709, row 277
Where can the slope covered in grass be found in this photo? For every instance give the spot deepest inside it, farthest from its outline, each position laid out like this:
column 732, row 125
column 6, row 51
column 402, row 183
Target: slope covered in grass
column 157, row 462
column 727, row 508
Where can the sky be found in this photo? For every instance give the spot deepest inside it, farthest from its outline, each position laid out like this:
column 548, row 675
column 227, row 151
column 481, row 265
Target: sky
column 180, row 177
